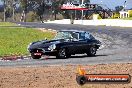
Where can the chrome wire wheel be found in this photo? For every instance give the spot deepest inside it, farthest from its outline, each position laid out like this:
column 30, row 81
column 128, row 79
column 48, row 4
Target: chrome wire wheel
column 62, row 53
column 92, row 51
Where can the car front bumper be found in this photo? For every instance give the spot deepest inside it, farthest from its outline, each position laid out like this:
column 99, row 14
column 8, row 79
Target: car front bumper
column 45, row 52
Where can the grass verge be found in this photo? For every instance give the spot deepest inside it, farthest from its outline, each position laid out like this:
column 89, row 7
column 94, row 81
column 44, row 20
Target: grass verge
column 129, row 18
column 14, row 41
column 7, row 24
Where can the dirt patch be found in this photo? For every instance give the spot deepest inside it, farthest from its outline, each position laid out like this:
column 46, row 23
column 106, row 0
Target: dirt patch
column 58, row 76
column 47, row 30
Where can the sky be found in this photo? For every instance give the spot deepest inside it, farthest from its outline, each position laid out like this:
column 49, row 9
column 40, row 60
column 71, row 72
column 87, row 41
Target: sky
column 111, row 3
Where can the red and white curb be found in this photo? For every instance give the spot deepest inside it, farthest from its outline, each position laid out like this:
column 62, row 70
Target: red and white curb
column 18, row 58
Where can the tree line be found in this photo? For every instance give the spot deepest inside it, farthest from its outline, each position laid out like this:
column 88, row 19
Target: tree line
column 22, row 10
column 38, row 8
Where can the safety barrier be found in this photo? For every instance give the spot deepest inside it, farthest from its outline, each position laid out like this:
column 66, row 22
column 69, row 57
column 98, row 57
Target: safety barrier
column 101, row 22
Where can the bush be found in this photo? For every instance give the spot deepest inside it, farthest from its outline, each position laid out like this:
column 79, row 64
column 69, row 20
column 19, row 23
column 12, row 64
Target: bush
column 31, row 16
column 130, row 13
column 17, row 17
column 99, row 17
column 116, row 15
column 59, row 17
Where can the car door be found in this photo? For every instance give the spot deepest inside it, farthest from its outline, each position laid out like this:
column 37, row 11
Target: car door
column 75, row 43
column 79, row 44
column 89, row 40
column 83, row 42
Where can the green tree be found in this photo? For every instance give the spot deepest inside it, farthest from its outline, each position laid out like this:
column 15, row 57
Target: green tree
column 55, row 7
column 8, row 8
column 118, row 8
column 86, row 1
column 24, row 5
column 40, row 11
column 38, row 4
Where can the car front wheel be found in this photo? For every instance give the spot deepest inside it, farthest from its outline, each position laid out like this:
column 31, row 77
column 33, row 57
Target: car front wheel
column 62, row 54
column 92, row 51
column 35, row 56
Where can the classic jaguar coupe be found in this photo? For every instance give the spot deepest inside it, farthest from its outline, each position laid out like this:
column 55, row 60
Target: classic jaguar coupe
column 65, row 44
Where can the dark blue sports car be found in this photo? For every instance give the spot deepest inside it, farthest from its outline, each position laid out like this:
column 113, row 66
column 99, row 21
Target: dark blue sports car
column 65, row 44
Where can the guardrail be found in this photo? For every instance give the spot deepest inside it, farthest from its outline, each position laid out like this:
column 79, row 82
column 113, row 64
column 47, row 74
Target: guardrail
column 101, row 22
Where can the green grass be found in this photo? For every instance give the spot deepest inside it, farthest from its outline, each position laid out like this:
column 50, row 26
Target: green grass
column 7, row 24
column 130, row 18
column 15, row 40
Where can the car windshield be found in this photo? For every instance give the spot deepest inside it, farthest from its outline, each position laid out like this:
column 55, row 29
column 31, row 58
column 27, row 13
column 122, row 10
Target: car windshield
column 66, row 35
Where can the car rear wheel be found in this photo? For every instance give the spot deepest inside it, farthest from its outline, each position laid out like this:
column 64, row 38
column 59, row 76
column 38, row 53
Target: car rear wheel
column 92, row 51
column 35, row 56
column 62, row 54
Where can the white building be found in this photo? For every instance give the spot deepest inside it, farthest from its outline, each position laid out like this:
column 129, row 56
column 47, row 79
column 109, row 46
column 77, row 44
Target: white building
column 124, row 14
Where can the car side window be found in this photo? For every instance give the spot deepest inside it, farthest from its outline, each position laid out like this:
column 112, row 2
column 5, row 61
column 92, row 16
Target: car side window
column 88, row 36
column 82, row 36
column 75, row 35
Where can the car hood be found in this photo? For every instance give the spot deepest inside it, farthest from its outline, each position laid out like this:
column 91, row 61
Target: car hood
column 44, row 43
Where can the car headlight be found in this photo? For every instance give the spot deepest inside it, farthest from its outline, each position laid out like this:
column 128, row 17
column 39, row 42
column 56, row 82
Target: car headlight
column 52, row 47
